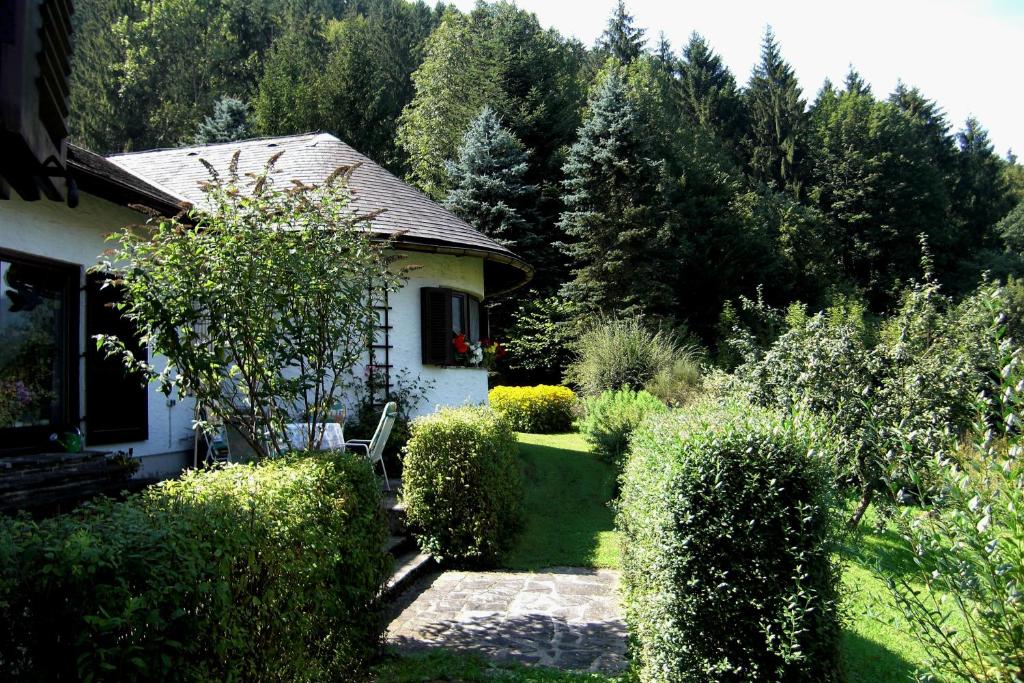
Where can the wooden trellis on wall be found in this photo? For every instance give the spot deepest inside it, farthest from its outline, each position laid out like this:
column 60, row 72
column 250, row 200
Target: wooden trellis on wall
column 378, row 369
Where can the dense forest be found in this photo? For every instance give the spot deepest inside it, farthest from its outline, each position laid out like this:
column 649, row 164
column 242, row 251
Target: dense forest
column 637, row 176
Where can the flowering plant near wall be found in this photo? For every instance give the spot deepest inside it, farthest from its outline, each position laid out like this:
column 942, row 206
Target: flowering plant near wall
column 474, row 354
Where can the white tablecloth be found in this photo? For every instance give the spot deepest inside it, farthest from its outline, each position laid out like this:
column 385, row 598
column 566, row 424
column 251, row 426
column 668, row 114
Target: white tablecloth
column 296, row 434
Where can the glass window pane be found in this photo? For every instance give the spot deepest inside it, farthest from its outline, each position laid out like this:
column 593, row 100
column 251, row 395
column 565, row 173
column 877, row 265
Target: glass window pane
column 474, row 319
column 30, row 326
column 458, row 324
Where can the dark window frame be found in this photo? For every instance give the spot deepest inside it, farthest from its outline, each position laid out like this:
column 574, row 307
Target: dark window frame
column 36, row 439
column 106, row 379
column 437, row 327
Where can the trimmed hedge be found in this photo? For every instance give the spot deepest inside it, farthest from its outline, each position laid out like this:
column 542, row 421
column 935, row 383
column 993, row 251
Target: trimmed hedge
column 543, row 409
column 247, row 572
column 729, row 531
column 612, row 417
column 462, row 486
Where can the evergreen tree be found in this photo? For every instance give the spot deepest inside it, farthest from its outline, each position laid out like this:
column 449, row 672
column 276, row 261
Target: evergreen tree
column 981, row 195
column 228, row 123
column 710, row 97
column 490, row 191
column 622, row 39
column 618, row 244
column 367, row 81
column 875, row 179
column 498, row 55
column 776, row 119
column 288, row 101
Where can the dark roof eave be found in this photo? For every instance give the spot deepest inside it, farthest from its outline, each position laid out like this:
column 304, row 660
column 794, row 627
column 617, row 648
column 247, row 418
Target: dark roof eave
column 96, row 175
column 526, row 271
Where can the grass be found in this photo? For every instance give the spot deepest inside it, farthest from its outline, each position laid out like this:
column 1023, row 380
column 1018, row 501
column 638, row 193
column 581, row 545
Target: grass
column 875, row 646
column 440, row 665
column 570, row 523
column 568, row 519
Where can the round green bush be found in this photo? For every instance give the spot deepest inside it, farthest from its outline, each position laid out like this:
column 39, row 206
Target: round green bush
column 729, row 530
column 611, row 418
column 462, row 486
column 246, row 572
column 543, row 409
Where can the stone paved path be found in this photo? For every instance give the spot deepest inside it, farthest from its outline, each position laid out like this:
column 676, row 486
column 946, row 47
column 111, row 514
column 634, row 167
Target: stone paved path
column 567, row 618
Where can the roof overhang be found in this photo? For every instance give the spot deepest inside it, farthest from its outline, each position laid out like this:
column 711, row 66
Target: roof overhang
column 503, row 272
column 35, row 64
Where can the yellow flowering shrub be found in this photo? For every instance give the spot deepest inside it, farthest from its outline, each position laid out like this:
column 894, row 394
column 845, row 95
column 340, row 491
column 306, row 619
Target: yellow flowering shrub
column 543, row 409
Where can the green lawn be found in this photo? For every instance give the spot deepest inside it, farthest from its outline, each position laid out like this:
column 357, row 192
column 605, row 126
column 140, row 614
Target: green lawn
column 568, row 521
column 441, row 665
column 873, row 649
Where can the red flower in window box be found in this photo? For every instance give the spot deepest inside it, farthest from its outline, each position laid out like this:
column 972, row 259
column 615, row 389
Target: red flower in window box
column 460, row 344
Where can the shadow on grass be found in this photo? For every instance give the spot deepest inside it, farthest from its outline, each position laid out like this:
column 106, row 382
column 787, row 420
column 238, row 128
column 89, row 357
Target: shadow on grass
column 568, row 518
column 867, row 661
column 880, row 549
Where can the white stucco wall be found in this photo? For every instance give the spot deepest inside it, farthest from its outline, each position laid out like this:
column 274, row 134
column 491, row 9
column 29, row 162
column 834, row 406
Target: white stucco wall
column 452, row 386
column 76, row 236
column 54, row 231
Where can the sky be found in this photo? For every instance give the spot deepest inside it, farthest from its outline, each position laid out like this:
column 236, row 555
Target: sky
column 965, row 54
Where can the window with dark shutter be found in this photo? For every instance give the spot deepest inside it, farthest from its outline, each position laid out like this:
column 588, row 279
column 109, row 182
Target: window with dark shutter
column 436, row 311
column 446, row 313
column 116, row 401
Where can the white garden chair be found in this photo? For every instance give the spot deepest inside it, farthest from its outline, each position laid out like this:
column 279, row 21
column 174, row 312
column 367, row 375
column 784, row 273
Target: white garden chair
column 374, row 447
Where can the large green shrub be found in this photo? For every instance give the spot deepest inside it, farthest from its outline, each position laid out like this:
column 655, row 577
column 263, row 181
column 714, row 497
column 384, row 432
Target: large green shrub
column 611, row 418
column 961, row 598
column 247, row 572
column 543, row 409
column 728, row 528
column 462, row 486
column 894, row 393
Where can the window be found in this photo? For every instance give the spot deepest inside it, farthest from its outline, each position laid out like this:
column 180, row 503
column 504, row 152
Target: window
column 39, row 356
column 445, row 314
column 116, row 406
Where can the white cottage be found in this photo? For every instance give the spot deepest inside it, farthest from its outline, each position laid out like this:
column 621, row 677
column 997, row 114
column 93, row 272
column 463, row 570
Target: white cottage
column 51, row 378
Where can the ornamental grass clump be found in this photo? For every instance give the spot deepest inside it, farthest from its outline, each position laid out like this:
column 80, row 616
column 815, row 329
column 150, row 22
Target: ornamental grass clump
column 729, row 538
column 462, row 486
column 246, row 572
column 543, row 409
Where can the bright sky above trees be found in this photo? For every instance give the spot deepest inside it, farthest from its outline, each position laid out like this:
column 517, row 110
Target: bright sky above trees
column 965, row 54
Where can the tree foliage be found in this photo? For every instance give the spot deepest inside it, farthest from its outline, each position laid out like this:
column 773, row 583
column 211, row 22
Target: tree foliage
column 260, row 308
column 615, row 222
column 776, row 119
column 489, row 188
column 228, row 123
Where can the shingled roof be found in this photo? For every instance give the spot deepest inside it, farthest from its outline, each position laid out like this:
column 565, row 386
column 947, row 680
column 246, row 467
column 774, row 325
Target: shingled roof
column 418, row 222
column 101, row 177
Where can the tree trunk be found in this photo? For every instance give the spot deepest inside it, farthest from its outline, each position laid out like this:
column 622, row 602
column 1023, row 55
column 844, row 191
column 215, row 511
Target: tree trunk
column 867, row 494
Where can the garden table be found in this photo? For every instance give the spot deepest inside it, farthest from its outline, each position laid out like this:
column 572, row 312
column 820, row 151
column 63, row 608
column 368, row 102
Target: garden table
column 296, row 434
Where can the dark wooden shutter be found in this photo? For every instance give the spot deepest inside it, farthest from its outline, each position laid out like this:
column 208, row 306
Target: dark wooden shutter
column 436, row 318
column 485, row 321
column 116, row 402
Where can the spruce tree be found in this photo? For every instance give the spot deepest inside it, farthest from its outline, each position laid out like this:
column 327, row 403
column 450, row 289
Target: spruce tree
column 710, row 97
column 622, row 39
column 228, row 123
column 615, row 221
column 981, row 195
column 777, row 117
column 489, row 188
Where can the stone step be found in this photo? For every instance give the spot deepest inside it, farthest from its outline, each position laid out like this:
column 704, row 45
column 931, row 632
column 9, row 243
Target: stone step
column 399, row 545
column 395, row 512
column 408, row 567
